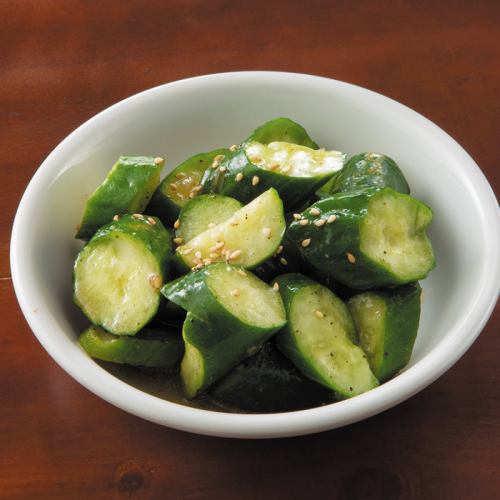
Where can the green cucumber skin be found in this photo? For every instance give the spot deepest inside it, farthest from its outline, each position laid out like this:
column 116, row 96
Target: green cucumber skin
column 162, row 205
column 331, row 242
column 269, row 382
column 153, row 236
column 128, row 188
column 193, row 294
column 292, row 190
column 149, row 348
column 282, row 129
column 289, row 285
column 368, row 170
column 400, row 328
column 222, row 349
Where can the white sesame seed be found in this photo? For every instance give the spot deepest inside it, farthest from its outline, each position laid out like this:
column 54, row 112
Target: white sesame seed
column 239, row 177
column 276, row 286
column 186, row 251
column 279, row 250
column 266, row 231
column 318, row 313
column 197, row 254
column 233, row 147
column 173, row 186
column 219, row 158
column 198, row 266
column 235, row 292
column 196, row 188
column 151, row 221
column 181, row 196
column 320, row 222
column 180, row 175
column 177, row 224
column 235, row 254
column 303, row 222
column 331, row 218
column 192, row 194
column 350, row 257
column 155, row 281
column 255, row 180
column 306, row 242
column 116, row 218
column 207, row 261
column 257, row 160
column 222, row 169
column 138, row 216
column 158, row 160
column 241, row 273
column 227, row 254
column 283, row 261
column 178, row 240
column 217, row 246
column 214, row 255
column 315, row 211
column 297, row 216
column 215, row 164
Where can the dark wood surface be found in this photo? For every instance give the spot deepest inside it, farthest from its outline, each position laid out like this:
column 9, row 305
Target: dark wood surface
column 63, row 61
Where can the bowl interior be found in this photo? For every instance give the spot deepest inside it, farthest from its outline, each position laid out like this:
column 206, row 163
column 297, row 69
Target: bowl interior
column 181, row 119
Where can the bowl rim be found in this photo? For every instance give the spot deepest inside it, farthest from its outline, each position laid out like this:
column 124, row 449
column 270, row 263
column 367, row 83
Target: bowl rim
column 273, row 425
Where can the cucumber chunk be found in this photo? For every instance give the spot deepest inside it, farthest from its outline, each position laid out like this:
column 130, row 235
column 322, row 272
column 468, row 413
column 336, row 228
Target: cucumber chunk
column 212, row 352
column 269, row 382
column 295, row 171
column 230, row 298
column 284, row 130
column 387, row 322
column 127, row 188
column 181, row 185
column 248, row 238
column 119, row 273
column 203, row 212
column 367, row 170
column 319, row 337
column 149, row 348
column 366, row 239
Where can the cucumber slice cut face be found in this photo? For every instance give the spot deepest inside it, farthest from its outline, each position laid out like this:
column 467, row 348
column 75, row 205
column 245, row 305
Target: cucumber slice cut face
column 127, row 189
column 248, row 238
column 387, row 322
column 319, row 336
column 366, row 239
column 203, row 213
column 119, row 273
column 230, row 298
column 182, row 184
column 149, row 348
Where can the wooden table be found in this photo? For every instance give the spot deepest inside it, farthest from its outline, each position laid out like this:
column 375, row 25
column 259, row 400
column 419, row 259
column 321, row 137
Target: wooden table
column 63, row 61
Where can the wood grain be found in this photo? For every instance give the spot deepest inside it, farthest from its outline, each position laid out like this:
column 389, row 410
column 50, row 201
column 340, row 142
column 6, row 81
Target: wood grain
column 60, row 63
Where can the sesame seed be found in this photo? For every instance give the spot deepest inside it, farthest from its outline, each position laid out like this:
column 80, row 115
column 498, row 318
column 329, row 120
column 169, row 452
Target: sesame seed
column 350, row 257
column 222, row 169
column 219, row 158
column 241, row 273
column 155, row 281
column 217, row 246
column 177, row 224
column 207, row 261
column 315, row 211
column 239, row 177
column 180, row 175
column 116, row 217
column 255, row 180
column 227, row 254
column 158, row 160
column 318, row 313
column 211, row 225
column 215, row 164
column 197, row 188
column 276, row 286
column 181, row 196
column 283, row 261
column 178, row 240
column 266, row 231
column 197, row 254
column 173, row 186
column 320, row 222
column 192, row 194
column 233, row 147
column 306, row 242
column 186, row 251
column 256, row 159
column 279, row 250
column 138, row 216
column 303, row 222
column 235, row 292
column 214, row 255
column 297, row 216
column 235, row 254
column 198, row 266
column 331, row 218
column 151, row 221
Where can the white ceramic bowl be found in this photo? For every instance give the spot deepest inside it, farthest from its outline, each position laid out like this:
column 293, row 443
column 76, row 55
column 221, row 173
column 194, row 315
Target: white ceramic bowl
column 185, row 117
